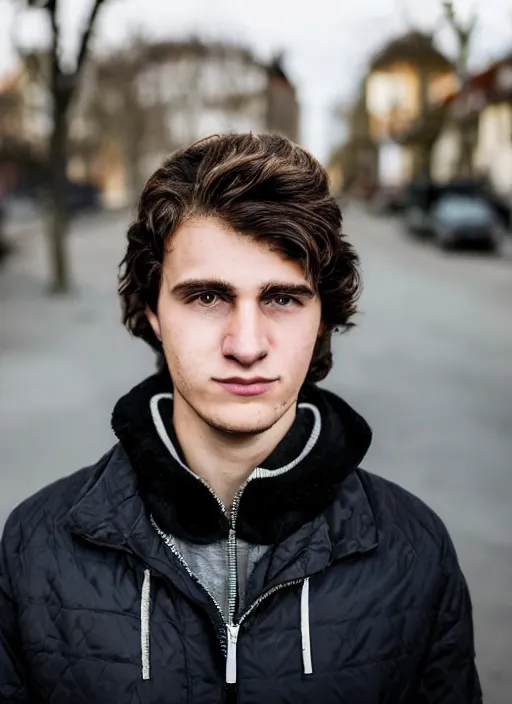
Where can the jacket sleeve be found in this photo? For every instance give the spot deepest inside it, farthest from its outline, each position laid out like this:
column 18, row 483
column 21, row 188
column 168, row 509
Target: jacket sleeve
column 13, row 687
column 449, row 675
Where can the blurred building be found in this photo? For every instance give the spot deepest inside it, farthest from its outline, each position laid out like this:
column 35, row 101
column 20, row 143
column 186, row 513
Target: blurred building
column 146, row 100
column 353, row 163
column 408, row 79
column 484, row 110
column 282, row 108
column 389, row 138
column 24, row 126
column 152, row 98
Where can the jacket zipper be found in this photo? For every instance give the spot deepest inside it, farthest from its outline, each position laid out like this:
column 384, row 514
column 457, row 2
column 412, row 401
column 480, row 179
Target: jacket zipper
column 233, row 556
column 172, row 547
column 229, row 641
column 233, row 630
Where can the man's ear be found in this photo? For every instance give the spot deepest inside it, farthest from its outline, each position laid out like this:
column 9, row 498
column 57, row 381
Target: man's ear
column 154, row 322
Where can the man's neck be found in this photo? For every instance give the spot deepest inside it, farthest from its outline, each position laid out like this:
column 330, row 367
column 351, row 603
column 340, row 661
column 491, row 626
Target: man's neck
column 223, row 460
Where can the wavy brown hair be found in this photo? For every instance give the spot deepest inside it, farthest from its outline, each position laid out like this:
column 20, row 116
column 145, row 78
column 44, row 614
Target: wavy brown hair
column 264, row 186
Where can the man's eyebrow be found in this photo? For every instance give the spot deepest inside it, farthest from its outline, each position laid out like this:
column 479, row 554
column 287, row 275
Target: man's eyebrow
column 194, row 286
column 191, row 287
column 273, row 288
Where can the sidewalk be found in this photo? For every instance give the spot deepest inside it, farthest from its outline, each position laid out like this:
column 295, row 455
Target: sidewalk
column 63, row 360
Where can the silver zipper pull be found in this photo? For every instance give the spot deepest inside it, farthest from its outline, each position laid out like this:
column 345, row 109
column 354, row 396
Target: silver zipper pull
column 232, row 633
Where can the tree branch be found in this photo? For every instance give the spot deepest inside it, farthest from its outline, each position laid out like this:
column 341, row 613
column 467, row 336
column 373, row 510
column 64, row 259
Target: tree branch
column 86, row 36
column 463, row 31
column 472, row 23
column 448, row 6
column 55, row 51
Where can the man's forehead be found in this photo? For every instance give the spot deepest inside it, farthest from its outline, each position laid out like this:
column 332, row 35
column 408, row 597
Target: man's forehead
column 205, row 249
column 197, row 236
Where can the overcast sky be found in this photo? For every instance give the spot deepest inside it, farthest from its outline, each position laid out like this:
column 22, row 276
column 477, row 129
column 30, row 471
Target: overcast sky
column 326, row 42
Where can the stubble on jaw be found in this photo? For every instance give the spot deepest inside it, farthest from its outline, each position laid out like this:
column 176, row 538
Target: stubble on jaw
column 232, row 431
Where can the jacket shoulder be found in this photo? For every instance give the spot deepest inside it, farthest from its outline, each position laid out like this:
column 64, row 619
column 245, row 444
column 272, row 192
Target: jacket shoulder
column 30, row 523
column 394, row 506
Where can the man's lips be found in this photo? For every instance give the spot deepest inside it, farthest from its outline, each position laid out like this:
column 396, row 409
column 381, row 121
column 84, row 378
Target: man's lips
column 241, row 386
column 244, row 381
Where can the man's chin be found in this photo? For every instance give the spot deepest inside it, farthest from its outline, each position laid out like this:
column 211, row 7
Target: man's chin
column 241, row 421
column 239, row 426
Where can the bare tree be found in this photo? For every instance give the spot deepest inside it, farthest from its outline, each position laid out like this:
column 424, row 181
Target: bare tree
column 464, row 32
column 62, row 87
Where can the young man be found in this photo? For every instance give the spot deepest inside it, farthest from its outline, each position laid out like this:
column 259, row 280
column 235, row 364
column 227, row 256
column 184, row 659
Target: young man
column 229, row 547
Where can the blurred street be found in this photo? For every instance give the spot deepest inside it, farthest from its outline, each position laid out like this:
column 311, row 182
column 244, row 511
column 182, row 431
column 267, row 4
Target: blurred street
column 430, row 366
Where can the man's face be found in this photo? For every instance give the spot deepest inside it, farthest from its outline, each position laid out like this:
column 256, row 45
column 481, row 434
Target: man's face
column 238, row 324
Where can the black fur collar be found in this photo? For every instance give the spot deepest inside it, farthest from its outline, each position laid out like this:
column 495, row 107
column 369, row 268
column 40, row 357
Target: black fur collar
column 270, row 509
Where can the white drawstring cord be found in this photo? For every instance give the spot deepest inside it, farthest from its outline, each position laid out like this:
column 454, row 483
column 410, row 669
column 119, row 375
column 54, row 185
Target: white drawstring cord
column 258, row 473
column 304, row 628
column 145, row 608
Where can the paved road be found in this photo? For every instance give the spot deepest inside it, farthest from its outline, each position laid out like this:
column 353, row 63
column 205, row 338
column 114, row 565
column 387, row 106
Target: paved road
column 430, row 365
column 431, row 368
column 63, row 362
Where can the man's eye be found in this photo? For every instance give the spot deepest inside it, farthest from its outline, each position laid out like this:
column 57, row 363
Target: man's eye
column 207, row 299
column 284, row 301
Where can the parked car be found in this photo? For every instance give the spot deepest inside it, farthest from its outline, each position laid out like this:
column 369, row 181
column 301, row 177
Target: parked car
column 81, row 197
column 465, row 220
column 422, row 197
column 388, row 200
column 78, row 197
column 418, row 198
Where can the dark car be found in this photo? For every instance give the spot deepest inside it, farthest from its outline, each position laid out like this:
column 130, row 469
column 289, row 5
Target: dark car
column 388, row 200
column 465, row 220
column 418, row 199
column 422, row 197
column 81, row 197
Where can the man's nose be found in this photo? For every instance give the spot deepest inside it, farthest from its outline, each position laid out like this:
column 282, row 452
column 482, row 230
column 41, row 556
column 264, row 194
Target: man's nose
column 246, row 340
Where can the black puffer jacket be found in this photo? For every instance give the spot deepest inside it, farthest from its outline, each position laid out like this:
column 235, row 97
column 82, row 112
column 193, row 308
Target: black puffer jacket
column 358, row 600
